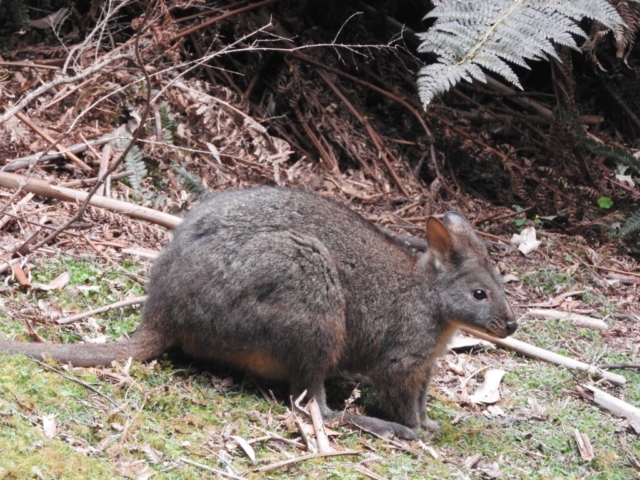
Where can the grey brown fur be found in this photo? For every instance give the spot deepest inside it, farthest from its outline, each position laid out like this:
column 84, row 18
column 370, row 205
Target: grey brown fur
column 296, row 287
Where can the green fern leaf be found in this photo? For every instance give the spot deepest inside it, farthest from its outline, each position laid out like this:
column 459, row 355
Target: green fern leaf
column 495, row 33
column 167, row 122
column 135, row 163
column 632, row 225
column 191, row 182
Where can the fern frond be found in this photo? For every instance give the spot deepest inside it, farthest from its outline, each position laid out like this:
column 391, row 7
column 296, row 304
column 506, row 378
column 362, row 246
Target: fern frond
column 135, row 163
column 495, row 33
column 191, row 182
column 19, row 14
column 167, row 122
column 632, row 225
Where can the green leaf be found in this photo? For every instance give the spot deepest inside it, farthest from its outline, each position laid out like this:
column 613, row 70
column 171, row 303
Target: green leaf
column 605, row 202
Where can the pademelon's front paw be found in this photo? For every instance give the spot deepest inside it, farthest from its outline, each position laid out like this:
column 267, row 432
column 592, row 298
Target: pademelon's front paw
column 429, row 424
column 383, row 428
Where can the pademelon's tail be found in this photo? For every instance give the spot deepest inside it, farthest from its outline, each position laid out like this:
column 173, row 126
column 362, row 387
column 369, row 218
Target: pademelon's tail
column 143, row 345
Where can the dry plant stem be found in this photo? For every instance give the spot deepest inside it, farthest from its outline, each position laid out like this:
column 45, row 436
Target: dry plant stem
column 222, row 473
column 85, row 182
column 206, row 14
column 613, row 270
column 327, row 158
column 318, row 426
column 40, row 157
column 54, row 83
column 276, row 437
column 190, row 30
column 499, row 216
column 620, row 365
column 304, row 458
column 64, row 152
column 79, row 382
column 384, row 152
column 124, row 303
column 102, row 171
column 574, row 318
column 368, row 473
column 28, row 65
column 40, row 187
column 551, row 357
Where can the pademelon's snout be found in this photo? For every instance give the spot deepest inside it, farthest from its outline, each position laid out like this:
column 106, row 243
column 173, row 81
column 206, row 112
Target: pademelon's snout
column 511, row 327
column 507, row 326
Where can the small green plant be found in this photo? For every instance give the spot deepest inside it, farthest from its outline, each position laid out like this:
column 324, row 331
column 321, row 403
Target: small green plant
column 135, row 163
column 605, row 202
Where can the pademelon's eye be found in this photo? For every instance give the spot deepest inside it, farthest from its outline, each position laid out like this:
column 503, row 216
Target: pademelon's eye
column 479, row 294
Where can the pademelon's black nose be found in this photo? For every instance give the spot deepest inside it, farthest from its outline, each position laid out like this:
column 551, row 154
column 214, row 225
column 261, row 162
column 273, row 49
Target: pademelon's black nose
column 511, row 326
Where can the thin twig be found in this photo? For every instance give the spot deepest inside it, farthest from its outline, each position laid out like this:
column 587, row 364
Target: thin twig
column 304, row 458
column 209, row 469
column 106, row 308
column 80, row 382
column 620, row 365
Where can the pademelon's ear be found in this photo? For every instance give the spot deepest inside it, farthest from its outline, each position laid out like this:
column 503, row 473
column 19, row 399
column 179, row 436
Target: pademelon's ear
column 456, row 223
column 438, row 237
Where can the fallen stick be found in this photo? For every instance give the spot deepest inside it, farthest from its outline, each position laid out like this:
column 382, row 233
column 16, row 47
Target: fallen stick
column 40, row 187
column 40, row 157
column 574, row 318
column 106, row 308
column 6, row 264
column 551, row 357
column 617, row 406
column 318, row 426
column 304, row 458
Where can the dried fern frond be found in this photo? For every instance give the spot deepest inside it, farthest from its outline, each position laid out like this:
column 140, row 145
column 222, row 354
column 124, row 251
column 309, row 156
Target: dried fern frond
column 469, row 36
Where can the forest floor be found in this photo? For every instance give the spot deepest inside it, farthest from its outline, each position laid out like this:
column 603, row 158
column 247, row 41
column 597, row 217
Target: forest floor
column 239, row 113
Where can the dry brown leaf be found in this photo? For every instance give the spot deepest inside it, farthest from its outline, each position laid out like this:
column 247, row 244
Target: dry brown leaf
column 21, row 277
column 49, row 308
column 472, row 461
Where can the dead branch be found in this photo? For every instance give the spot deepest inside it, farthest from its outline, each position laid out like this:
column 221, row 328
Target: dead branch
column 318, row 426
column 616, row 406
column 551, row 357
column 574, row 318
column 40, row 157
column 40, row 187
